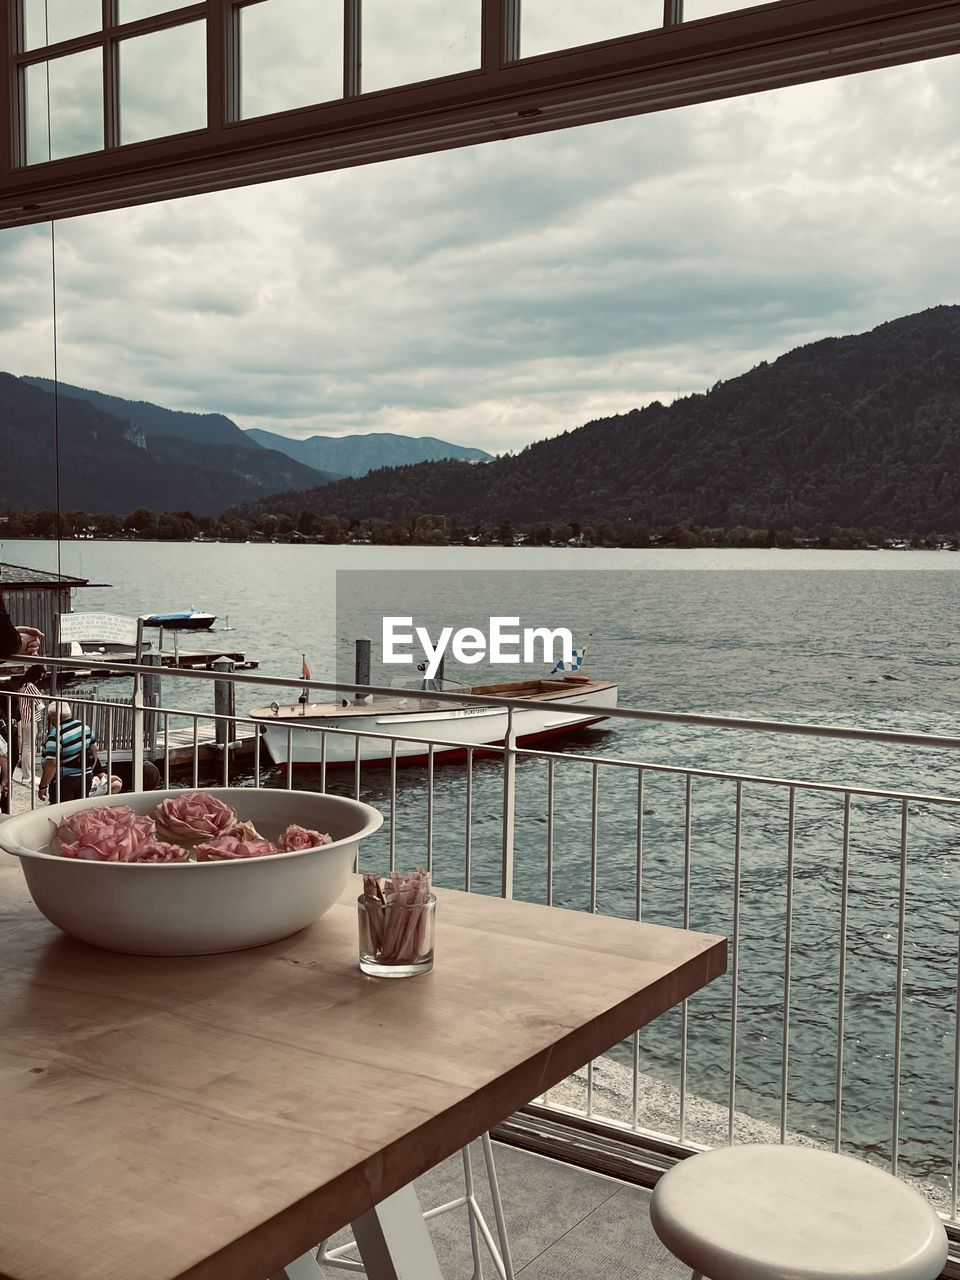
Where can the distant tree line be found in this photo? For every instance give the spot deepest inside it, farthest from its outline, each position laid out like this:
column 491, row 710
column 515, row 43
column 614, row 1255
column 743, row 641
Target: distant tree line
column 440, row 531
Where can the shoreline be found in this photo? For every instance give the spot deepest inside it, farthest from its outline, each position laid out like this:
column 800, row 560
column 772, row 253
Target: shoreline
column 656, row 543
column 706, row 1122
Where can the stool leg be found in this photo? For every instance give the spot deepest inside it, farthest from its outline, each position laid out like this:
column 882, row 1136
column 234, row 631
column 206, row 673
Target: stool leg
column 497, row 1208
column 471, row 1219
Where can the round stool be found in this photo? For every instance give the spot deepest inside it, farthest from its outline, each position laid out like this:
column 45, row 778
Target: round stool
column 791, row 1213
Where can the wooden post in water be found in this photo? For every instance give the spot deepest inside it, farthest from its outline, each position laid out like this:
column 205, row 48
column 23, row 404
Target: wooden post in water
column 224, row 702
column 362, row 664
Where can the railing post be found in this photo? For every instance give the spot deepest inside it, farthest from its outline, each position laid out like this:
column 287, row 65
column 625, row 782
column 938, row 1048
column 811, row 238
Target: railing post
column 151, row 699
column 509, row 805
column 139, row 719
column 224, row 702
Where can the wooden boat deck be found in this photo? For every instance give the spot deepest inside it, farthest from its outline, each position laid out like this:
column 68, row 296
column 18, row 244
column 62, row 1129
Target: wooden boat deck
column 535, row 690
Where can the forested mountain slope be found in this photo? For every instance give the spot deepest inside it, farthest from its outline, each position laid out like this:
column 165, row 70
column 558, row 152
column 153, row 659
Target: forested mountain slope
column 861, row 431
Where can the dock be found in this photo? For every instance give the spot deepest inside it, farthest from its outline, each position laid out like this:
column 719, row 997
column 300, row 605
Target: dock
column 202, row 658
column 178, row 745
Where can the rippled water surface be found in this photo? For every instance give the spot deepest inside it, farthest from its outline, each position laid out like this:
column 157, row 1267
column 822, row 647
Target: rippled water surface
column 865, row 639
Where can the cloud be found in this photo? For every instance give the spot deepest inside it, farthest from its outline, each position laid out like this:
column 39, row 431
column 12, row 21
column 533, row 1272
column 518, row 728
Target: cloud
column 500, row 293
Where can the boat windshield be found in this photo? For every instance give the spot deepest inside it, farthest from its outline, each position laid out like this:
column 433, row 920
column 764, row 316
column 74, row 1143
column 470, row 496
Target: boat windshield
column 430, row 686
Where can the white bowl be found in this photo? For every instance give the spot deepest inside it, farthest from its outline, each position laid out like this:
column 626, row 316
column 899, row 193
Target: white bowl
column 195, row 908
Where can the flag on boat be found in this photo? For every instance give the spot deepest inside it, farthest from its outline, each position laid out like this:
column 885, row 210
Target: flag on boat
column 575, row 665
column 307, row 674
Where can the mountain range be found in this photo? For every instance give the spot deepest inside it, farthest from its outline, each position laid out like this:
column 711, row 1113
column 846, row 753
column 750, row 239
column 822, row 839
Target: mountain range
column 858, row 432
column 117, row 455
column 112, row 464
column 357, row 454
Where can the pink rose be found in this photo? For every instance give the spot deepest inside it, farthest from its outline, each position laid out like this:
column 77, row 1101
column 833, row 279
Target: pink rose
column 195, row 815
column 158, row 851
column 103, row 850
column 243, row 831
column 104, row 839
column 301, row 838
column 228, row 847
column 102, row 816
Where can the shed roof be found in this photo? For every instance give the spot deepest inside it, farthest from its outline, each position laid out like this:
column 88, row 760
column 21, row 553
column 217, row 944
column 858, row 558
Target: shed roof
column 18, row 575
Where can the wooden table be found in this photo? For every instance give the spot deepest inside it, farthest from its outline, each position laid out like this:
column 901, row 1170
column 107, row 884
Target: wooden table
column 213, row 1117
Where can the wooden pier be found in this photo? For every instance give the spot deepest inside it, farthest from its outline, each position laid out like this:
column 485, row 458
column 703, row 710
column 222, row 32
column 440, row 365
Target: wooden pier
column 178, row 746
column 202, row 658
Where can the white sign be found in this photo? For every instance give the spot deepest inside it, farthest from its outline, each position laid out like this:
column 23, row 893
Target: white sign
column 470, row 645
column 98, row 628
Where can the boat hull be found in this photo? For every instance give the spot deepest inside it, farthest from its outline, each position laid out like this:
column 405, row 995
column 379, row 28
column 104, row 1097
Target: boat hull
column 328, row 739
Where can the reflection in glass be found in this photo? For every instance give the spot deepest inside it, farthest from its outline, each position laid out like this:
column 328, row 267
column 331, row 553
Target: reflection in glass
column 131, row 10
column 546, row 25
column 76, row 106
column 693, row 9
column 417, row 40
column 47, row 21
column 163, row 83
column 291, row 54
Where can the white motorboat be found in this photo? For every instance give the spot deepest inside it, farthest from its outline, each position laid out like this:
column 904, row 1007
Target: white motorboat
column 182, row 620
column 310, row 733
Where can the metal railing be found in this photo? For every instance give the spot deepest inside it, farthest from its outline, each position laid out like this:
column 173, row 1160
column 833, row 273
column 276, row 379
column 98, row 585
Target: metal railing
column 838, row 1022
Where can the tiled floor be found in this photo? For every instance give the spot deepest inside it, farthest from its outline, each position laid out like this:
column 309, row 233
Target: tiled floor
column 564, row 1224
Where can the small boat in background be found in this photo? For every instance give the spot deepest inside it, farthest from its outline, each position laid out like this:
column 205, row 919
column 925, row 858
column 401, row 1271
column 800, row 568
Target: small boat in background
column 184, row 620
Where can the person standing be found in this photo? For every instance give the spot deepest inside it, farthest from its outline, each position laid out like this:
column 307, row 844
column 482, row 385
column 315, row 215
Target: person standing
column 31, row 721
column 74, row 746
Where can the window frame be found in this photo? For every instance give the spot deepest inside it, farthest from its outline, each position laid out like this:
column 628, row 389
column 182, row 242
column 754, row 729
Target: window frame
column 767, row 46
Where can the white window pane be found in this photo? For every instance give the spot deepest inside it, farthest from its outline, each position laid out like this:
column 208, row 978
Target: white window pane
column 76, row 106
column 131, row 10
column 47, row 21
column 163, row 83
column 408, row 40
column 291, row 54
column 693, row 9
column 546, row 25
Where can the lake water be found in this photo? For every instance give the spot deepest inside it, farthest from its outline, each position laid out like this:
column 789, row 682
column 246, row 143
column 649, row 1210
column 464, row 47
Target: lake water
column 861, row 638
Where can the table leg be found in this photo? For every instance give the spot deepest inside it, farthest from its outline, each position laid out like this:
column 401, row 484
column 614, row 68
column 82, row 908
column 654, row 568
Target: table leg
column 394, row 1242
column 304, row 1268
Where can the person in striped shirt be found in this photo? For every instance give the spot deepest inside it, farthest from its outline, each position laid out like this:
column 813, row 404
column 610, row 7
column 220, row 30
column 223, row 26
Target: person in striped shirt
column 31, row 727
column 74, row 745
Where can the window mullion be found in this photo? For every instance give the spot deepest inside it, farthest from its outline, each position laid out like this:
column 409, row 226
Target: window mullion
column 111, row 77
column 223, row 63
column 12, row 109
column 500, row 42
column 352, row 47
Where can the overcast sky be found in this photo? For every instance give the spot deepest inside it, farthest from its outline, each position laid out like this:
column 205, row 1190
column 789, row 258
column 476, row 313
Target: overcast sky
column 497, row 295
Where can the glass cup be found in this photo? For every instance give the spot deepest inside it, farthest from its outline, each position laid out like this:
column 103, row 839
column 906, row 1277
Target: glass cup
column 396, row 941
